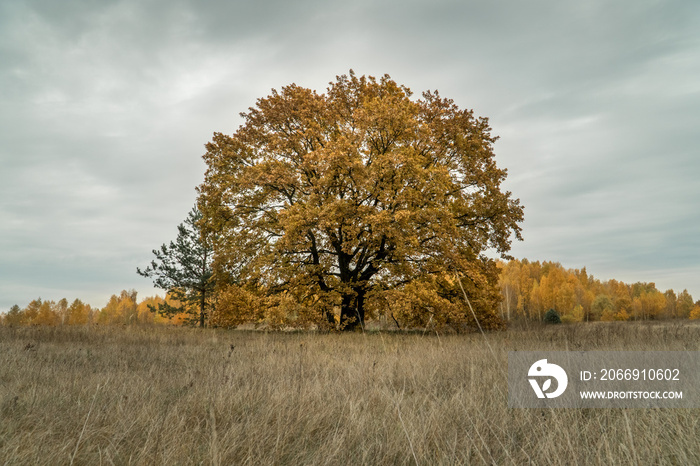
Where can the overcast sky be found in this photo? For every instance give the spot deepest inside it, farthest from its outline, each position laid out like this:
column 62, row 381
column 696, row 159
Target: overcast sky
column 105, row 107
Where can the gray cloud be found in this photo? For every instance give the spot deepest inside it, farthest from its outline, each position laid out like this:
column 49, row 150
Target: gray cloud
column 105, row 107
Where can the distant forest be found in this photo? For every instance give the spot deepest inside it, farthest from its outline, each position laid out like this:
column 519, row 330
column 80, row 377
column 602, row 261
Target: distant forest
column 122, row 309
column 529, row 290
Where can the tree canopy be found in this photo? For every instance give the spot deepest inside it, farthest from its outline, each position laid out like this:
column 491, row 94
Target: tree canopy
column 360, row 200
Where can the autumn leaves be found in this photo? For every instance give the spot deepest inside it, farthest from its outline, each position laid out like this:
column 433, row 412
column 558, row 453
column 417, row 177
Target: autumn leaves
column 327, row 209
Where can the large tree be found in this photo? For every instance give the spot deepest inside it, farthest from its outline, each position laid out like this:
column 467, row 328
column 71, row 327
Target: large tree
column 184, row 269
column 360, row 198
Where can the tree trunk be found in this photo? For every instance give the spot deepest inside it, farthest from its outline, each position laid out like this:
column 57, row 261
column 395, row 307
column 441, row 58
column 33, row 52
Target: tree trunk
column 352, row 311
column 347, row 313
column 202, row 303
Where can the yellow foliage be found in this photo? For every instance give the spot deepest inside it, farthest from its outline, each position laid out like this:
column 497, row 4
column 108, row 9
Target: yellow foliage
column 438, row 302
column 578, row 313
column 695, row 312
column 78, row 313
column 356, row 195
column 236, row 305
column 120, row 309
column 47, row 314
column 530, row 288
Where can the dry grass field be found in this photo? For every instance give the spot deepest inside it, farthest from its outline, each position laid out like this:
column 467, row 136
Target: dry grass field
column 112, row 395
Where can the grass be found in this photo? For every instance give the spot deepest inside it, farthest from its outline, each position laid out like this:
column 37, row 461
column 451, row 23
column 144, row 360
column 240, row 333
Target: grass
column 112, row 395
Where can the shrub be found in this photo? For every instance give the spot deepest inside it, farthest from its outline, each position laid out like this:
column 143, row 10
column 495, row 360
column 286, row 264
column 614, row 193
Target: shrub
column 552, row 317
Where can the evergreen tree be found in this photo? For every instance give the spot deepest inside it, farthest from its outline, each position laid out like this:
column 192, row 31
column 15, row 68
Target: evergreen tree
column 14, row 316
column 184, row 269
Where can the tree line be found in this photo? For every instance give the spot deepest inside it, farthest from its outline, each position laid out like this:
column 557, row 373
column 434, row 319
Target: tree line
column 121, row 309
column 530, row 289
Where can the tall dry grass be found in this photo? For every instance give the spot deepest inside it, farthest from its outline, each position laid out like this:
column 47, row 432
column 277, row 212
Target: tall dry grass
column 184, row 396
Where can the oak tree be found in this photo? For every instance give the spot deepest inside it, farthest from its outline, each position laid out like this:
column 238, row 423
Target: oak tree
column 360, row 199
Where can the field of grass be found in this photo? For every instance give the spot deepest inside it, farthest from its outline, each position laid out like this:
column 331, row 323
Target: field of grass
column 113, row 395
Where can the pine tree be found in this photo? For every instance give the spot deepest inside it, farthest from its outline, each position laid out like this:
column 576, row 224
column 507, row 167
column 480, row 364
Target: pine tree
column 184, row 269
